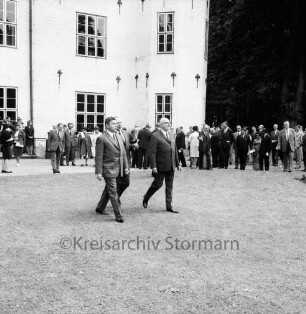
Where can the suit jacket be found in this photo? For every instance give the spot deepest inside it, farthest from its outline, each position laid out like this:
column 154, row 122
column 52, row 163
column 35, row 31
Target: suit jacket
column 70, row 140
column 144, row 137
column 111, row 159
column 282, row 140
column 275, row 136
column 265, row 145
column 243, row 142
column 226, row 138
column 56, row 140
column 162, row 152
column 299, row 138
column 304, row 143
column 215, row 141
column 204, row 142
column 180, row 141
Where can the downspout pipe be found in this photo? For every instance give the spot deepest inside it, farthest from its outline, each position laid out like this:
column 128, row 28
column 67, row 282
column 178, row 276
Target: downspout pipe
column 31, row 57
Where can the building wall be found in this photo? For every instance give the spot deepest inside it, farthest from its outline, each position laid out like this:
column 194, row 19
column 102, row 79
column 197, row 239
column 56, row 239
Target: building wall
column 131, row 50
column 14, row 62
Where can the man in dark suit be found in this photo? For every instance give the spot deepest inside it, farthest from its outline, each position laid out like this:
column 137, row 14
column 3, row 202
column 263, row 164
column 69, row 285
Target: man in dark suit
column 238, row 130
column 164, row 160
column 265, row 150
column 287, row 145
column 180, row 145
column 204, row 148
column 56, row 138
column 304, row 149
column 144, row 137
column 70, row 144
column 215, row 147
column 226, row 140
column 274, row 138
column 243, row 143
column 111, row 164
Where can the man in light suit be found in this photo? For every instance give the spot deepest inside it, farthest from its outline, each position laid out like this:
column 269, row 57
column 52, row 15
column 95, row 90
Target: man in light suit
column 56, row 139
column 204, row 148
column 70, row 144
column 274, row 138
column 111, row 164
column 122, row 182
column 287, row 145
column 163, row 160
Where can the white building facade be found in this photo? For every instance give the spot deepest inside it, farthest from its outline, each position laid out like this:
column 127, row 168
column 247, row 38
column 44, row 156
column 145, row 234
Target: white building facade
column 83, row 60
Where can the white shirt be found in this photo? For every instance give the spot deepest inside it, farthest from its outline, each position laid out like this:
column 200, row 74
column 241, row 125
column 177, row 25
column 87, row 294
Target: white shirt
column 111, row 134
column 166, row 134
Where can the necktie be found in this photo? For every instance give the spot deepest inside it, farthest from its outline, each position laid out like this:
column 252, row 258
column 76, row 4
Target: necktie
column 167, row 135
column 123, row 138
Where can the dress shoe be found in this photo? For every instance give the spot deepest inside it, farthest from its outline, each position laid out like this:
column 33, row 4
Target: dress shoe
column 6, row 171
column 67, row 164
column 54, row 171
column 73, row 164
column 236, row 167
column 172, row 211
column 101, row 212
column 119, row 219
column 144, row 203
column 304, row 170
column 289, row 170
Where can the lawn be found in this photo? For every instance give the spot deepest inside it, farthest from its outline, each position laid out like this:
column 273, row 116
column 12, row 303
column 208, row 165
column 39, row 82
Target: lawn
column 263, row 212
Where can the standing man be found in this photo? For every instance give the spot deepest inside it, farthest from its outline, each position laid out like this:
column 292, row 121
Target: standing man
column 304, row 150
column 226, row 140
column 243, row 142
column 111, row 164
column 56, row 139
column 163, row 159
column 274, row 138
column 144, row 137
column 287, row 145
column 235, row 135
column 299, row 147
column 180, row 145
column 70, row 144
column 215, row 147
column 125, row 137
column 204, row 148
column 265, row 150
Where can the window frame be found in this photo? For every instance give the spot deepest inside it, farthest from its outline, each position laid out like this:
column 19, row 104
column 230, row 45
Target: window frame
column 5, row 109
column 165, row 32
column 87, row 36
column 164, row 113
column 5, row 24
column 85, row 113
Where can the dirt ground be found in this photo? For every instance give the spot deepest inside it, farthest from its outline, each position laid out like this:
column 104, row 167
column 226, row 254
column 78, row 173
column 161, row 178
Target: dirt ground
column 41, row 215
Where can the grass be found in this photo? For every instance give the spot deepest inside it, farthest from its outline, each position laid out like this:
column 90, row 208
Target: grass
column 265, row 212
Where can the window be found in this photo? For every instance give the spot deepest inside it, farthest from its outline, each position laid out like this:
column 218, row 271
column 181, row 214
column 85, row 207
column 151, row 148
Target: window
column 8, row 103
column 91, row 35
column 165, row 32
column 90, row 110
column 163, row 107
column 8, row 23
column 206, row 39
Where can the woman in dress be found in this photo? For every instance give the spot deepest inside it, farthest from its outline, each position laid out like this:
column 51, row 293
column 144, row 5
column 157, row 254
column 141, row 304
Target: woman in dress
column 19, row 140
column 84, row 146
column 193, row 141
column 256, row 146
column 7, row 142
column 29, row 132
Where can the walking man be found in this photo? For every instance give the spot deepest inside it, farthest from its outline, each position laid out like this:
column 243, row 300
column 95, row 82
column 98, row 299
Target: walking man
column 164, row 160
column 111, row 164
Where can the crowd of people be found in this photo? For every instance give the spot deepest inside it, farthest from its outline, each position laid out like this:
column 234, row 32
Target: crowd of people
column 207, row 148
column 15, row 139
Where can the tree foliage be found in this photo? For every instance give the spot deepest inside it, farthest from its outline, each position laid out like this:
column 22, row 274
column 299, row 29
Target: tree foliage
column 256, row 65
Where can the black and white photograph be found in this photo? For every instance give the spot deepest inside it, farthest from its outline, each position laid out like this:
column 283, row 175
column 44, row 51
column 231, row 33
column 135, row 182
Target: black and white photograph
column 153, row 156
